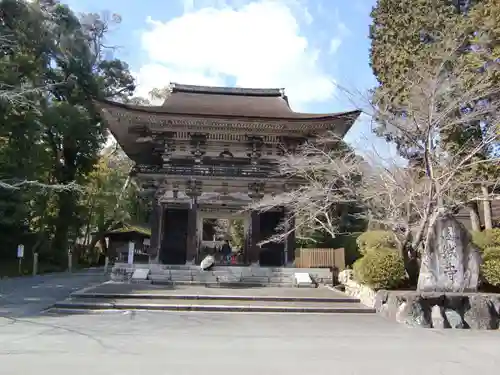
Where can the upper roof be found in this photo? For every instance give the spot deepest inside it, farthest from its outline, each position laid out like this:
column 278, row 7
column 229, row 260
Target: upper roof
column 212, row 101
column 206, row 100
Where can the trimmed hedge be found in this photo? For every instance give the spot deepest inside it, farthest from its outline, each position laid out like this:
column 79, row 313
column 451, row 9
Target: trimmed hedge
column 490, row 269
column 381, row 268
column 487, row 238
column 376, row 239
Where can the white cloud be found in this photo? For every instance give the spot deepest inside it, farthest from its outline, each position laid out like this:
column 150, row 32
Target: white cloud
column 335, row 45
column 257, row 44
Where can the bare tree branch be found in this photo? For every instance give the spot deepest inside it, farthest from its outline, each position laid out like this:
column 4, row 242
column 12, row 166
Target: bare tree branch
column 18, row 185
column 442, row 99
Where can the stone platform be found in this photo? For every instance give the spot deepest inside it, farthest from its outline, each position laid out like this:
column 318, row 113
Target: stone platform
column 221, row 275
column 129, row 296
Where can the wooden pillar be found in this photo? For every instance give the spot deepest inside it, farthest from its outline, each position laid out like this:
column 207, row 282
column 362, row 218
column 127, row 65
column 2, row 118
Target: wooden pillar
column 290, row 238
column 254, row 249
column 488, row 222
column 161, row 228
column 154, row 222
column 255, row 192
column 192, row 236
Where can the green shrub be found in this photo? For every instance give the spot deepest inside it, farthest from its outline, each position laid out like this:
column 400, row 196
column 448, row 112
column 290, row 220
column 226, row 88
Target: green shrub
column 486, row 238
column 382, row 268
column 376, row 239
column 490, row 269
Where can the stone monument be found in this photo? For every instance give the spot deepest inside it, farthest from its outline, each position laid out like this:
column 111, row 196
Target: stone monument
column 451, row 262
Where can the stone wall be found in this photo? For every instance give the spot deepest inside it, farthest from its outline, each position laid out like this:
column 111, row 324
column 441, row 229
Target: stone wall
column 440, row 310
column 429, row 309
column 365, row 294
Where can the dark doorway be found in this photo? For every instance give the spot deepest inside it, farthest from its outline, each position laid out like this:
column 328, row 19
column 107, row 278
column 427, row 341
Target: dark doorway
column 271, row 254
column 174, row 242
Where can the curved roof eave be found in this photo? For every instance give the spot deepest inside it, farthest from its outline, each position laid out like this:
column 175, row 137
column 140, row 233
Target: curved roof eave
column 294, row 116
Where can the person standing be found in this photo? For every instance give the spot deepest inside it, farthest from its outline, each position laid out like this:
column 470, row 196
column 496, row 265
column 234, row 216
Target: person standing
column 226, row 252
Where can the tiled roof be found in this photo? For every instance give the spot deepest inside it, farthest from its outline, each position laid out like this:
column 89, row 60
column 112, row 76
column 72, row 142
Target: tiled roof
column 229, row 102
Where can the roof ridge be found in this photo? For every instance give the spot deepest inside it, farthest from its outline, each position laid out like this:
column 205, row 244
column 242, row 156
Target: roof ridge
column 223, row 90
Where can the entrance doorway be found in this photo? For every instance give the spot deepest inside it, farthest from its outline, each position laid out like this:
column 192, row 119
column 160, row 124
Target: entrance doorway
column 224, row 238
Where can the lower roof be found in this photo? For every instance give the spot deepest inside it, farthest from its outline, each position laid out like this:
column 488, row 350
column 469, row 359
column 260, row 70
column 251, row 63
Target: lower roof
column 226, row 102
column 262, row 110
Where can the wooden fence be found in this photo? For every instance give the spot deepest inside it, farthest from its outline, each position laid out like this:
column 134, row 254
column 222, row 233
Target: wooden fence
column 320, row 258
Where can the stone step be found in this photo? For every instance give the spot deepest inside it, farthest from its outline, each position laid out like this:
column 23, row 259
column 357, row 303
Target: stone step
column 238, row 273
column 210, row 305
column 167, row 295
column 221, row 278
column 324, row 272
column 221, row 284
column 226, row 274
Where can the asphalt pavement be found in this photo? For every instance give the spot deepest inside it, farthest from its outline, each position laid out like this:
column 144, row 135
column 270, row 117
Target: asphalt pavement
column 226, row 343
column 27, row 296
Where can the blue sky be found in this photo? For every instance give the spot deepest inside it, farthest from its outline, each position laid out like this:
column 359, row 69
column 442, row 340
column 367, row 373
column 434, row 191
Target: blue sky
column 307, row 47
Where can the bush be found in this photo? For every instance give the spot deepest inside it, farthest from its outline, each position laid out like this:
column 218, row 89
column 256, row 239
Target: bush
column 382, row 268
column 490, row 269
column 376, row 239
column 486, row 238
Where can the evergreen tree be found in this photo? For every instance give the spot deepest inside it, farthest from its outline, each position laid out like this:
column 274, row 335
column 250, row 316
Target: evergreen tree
column 408, row 32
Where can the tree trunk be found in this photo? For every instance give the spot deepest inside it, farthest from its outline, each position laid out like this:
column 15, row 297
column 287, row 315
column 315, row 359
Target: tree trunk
column 103, row 246
column 488, row 222
column 108, row 225
column 475, row 220
column 64, row 221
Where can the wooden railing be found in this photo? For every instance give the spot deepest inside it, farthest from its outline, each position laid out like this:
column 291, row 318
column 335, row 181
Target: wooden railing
column 316, row 258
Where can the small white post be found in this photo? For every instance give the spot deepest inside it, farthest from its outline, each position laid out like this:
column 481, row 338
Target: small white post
column 131, row 248
column 106, row 257
column 20, row 255
column 35, row 264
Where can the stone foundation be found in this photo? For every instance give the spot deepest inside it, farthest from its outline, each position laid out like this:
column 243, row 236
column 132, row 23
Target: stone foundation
column 440, row 310
column 429, row 309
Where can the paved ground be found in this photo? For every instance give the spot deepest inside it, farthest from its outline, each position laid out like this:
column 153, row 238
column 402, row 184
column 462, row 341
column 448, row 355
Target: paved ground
column 194, row 343
column 27, row 296
column 188, row 343
column 126, row 288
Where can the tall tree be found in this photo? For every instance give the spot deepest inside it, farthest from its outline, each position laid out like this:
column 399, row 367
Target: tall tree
column 404, row 34
column 111, row 197
column 56, row 62
column 409, row 200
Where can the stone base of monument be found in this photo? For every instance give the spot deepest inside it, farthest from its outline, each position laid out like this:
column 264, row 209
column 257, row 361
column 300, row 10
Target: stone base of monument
column 440, row 310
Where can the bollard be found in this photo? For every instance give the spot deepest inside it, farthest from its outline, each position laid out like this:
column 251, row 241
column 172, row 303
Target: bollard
column 35, row 264
column 106, row 265
column 70, row 261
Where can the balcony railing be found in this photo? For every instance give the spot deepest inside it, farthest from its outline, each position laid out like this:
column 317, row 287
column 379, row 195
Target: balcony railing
column 210, row 170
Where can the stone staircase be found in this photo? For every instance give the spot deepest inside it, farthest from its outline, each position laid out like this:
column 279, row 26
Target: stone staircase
column 125, row 296
column 221, row 275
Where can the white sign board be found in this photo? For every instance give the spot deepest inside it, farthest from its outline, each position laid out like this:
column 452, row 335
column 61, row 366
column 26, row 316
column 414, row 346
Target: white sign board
column 131, row 248
column 140, row 274
column 146, row 242
column 20, row 251
column 302, row 279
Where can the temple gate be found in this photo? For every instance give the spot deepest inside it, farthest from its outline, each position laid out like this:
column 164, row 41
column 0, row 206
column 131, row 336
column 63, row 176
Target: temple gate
column 211, row 151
